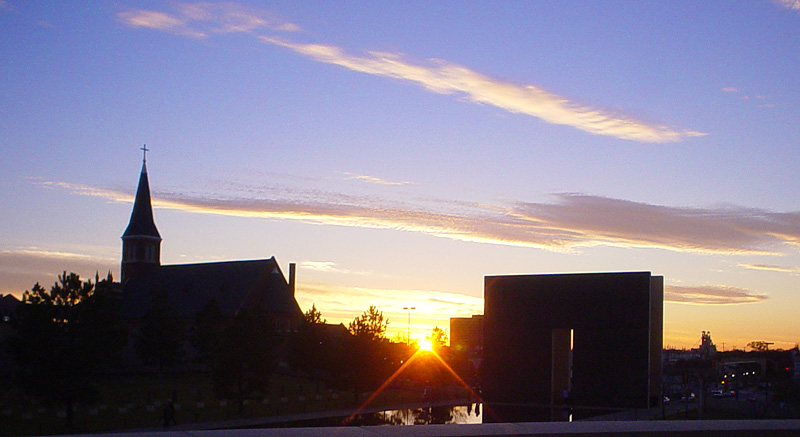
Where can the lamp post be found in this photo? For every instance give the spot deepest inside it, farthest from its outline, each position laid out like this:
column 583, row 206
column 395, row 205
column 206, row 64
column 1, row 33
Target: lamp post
column 408, row 338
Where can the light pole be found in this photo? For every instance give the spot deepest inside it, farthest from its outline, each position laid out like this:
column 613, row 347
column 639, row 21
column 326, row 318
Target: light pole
column 408, row 338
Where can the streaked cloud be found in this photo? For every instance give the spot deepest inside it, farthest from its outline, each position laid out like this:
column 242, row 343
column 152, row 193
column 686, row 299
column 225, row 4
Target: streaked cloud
column 200, row 20
column 770, row 268
column 570, row 221
column 319, row 266
column 375, row 180
column 443, row 77
column 20, row 268
column 711, row 295
column 793, row 5
column 754, row 98
column 159, row 21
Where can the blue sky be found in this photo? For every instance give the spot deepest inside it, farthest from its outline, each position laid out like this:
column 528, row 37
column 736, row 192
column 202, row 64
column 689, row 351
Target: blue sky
column 401, row 151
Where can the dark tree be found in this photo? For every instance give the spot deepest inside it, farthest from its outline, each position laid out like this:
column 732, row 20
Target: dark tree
column 64, row 338
column 311, row 345
column 370, row 325
column 313, row 316
column 161, row 335
column 438, row 338
column 369, row 352
column 759, row 346
column 245, row 356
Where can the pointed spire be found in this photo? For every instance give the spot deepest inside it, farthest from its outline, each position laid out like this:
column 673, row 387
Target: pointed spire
column 141, row 222
column 141, row 242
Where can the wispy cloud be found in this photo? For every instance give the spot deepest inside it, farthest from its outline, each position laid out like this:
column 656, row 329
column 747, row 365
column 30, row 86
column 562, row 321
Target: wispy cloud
column 200, row 20
column 793, row 5
column 375, row 180
column 159, row 21
column 319, row 266
column 747, row 97
column 570, row 221
column 20, row 268
column 711, row 295
column 443, row 77
column 770, row 268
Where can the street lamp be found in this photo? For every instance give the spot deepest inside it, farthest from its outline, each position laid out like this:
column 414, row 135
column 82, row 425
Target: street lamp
column 408, row 338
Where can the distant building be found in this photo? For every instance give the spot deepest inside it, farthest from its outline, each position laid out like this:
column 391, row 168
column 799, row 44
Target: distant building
column 707, row 348
column 466, row 334
column 190, row 287
column 8, row 304
column 586, row 339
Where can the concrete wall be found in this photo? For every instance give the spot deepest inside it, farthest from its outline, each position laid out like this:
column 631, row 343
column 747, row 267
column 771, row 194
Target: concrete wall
column 610, row 317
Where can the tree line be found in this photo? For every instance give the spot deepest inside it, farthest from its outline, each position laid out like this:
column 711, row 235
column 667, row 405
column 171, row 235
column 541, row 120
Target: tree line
column 66, row 337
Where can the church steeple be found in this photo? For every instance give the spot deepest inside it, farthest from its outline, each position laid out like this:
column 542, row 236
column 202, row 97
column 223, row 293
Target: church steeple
column 141, row 242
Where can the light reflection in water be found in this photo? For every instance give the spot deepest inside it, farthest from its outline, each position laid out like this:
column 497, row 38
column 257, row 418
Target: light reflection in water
column 460, row 414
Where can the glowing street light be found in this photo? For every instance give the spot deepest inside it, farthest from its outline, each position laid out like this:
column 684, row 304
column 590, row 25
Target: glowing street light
column 408, row 338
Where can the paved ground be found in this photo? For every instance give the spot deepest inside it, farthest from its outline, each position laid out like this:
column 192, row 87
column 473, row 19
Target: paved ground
column 641, row 428
column 631, row 422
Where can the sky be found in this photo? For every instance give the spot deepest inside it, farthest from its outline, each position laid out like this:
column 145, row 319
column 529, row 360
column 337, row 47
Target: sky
column 399, row 152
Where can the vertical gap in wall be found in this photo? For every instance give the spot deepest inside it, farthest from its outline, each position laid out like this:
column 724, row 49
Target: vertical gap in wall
column 561, row 371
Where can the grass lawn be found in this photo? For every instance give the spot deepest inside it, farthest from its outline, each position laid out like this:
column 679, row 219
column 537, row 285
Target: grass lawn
column 130, row 402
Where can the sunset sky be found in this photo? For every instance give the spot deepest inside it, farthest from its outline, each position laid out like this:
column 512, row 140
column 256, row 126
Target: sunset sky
column 399, row 152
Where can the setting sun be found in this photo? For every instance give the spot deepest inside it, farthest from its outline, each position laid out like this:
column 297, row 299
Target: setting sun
column 425, row 344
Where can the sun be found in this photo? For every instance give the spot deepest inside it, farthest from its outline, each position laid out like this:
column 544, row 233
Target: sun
column 425, row 344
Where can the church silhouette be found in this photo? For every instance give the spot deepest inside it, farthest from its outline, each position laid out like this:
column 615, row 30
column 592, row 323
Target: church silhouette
column 234, row 285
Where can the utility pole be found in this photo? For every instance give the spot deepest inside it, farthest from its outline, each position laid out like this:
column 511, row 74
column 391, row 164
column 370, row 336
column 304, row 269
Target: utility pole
column 408, row 334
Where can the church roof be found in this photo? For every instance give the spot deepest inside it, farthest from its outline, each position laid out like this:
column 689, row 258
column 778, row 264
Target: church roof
column 141, row 223
column 233, row 284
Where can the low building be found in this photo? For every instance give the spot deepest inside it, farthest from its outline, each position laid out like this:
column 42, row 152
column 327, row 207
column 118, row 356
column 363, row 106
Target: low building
column 466, row 335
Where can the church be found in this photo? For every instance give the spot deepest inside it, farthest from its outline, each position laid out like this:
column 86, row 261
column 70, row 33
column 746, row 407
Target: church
column 234, row 285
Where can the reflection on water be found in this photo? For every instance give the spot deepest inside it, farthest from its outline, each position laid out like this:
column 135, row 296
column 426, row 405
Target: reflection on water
column 470, row 413
column 455, row 414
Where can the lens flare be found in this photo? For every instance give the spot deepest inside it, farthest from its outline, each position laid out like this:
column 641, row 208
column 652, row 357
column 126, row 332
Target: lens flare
column 425, row 344
column 417, row 354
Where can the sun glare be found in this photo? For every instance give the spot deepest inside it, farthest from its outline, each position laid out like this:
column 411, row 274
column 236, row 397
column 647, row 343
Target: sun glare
column 425, row 344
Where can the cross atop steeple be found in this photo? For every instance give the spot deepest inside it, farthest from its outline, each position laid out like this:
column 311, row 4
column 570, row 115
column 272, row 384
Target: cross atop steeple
column 144, row 150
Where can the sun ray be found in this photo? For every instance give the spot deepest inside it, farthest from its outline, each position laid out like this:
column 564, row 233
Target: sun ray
column 382, row 387
column 402, row 368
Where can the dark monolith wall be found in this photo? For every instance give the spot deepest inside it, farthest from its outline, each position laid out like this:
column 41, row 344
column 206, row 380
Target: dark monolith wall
column 615, row 318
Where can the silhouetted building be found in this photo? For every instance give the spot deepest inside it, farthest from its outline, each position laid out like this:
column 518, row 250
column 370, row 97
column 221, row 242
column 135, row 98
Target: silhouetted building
column 707, row 348
column 8, row 304
column 189, row 287
column 466, row 334
column 590, row 340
